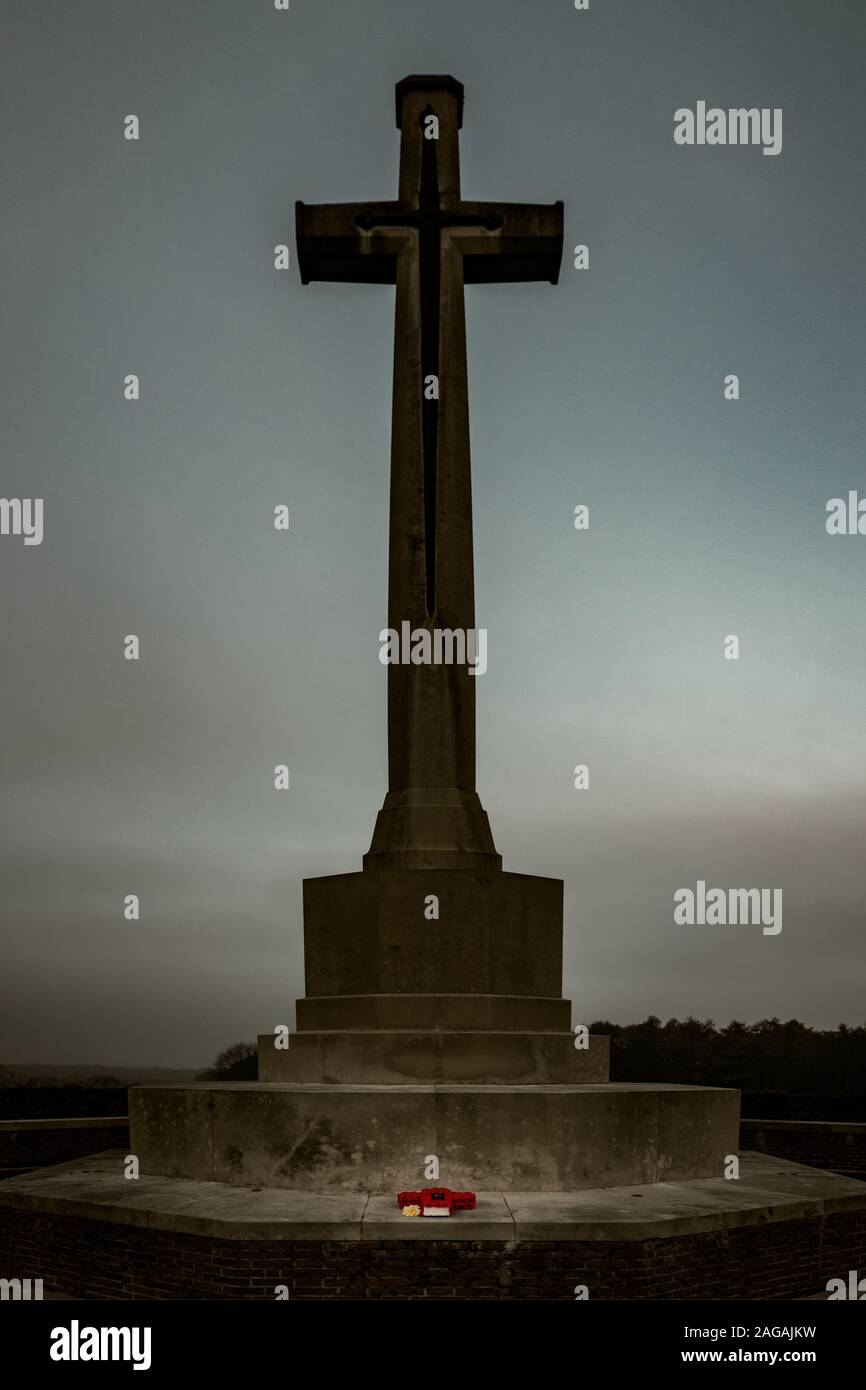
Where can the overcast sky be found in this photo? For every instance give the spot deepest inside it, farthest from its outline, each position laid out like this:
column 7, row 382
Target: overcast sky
column 707, row 516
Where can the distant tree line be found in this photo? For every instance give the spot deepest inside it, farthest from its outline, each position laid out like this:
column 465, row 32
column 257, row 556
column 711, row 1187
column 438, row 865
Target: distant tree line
column 8, row 1077
column 785, row 1070
column 35, row 1099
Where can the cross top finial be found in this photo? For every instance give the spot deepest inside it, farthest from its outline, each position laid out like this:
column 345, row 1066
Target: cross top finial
column 420, row 83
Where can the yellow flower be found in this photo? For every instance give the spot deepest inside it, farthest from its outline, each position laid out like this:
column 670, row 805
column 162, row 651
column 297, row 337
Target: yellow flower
column 411, row 1210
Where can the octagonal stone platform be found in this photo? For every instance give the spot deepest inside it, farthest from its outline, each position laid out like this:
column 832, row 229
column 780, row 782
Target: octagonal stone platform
column 781, row 1231
column 364, row 1137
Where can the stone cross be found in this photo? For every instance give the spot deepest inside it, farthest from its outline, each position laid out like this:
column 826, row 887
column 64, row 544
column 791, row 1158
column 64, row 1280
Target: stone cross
column 429, row 244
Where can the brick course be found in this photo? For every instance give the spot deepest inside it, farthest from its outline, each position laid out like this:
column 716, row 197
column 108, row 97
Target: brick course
column 97, row 1259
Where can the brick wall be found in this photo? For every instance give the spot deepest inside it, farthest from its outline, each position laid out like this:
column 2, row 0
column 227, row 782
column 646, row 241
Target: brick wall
column 93, row 1259
column 841, row 1147
column 37, row 1143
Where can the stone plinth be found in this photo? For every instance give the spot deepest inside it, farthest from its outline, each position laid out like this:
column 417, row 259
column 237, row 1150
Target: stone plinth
column 346, row 1138
column 445, row 1035
column 496, row 933
column 398, row 1058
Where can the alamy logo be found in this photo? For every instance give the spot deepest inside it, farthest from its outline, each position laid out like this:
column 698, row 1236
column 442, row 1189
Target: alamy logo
column 20, row 1290
column 22, row 516
column 438, row 646
column 737, row 126
column 855, row 1290
column 846, row 518
column 76, row 1343
column 728, row 906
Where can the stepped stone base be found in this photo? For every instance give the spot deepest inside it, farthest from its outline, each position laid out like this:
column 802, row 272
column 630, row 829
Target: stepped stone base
column 350, row 1138
column 780, row 1232
column 406, row 1013
column 397, row 1058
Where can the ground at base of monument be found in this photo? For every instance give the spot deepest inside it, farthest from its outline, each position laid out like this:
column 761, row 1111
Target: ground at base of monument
column 769, row 1189
column 781, row 1231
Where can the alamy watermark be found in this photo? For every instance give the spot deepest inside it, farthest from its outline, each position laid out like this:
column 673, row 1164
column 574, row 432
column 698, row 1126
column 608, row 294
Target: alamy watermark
column 854, row 1290
column 21, row 1290
column 437, row 646
column 846, row 517
column 77, row 1343
column 739, row 125
column 714, row 907
column 22, row 516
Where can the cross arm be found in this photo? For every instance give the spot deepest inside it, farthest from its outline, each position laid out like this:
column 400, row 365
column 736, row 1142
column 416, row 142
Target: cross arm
column 332, row 246
column 527, row 245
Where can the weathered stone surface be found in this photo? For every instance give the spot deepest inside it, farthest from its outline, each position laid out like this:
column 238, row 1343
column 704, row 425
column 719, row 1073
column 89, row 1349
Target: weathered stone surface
column 95, row 1189
column 339, row 1139
column 357, row 1137
column 769, row 1192
column 549, row 1137
column 398, row 1058
column 497, row 933
column 765, row 1192
column 177, row 1123
column 688, row 1129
